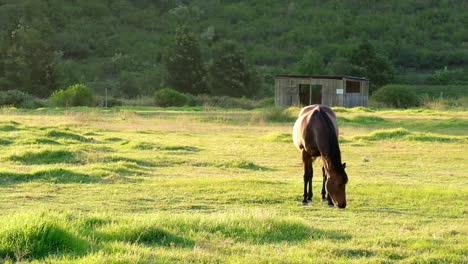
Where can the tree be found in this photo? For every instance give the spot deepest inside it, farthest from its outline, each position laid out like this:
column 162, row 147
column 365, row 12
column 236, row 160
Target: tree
column 230, row 73
column 311, row 63
column 185, row 70
column 28, row 63
column 366, row 62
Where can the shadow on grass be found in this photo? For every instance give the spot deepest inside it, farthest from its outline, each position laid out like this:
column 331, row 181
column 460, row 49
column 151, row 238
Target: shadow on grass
column 144, row 234
column 4, row 142
column 285, row 232
column 143, row 163
column 235, row 164
column 45, row 157
column 51, row 175
column 8, row 128
column 66, row 135
column 277, row 232
column 354, row 253
column 155, row 146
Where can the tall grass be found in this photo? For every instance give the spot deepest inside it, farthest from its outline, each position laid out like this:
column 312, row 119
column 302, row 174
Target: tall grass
column 36, row 236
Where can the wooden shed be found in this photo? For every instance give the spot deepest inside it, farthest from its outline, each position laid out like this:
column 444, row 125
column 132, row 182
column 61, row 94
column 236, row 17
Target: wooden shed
column 317, row 89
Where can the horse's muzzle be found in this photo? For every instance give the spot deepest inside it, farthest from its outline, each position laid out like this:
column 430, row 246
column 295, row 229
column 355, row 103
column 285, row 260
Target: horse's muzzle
column 342, row 206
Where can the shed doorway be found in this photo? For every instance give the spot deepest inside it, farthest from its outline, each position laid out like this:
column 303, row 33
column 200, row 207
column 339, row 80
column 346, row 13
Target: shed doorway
column 353, row 96
column 310, row 94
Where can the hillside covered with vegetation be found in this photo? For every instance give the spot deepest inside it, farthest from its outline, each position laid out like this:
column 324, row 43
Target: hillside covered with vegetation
column 127, row 46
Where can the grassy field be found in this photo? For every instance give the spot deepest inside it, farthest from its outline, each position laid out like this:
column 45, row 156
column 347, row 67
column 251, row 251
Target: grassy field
column 193, row 185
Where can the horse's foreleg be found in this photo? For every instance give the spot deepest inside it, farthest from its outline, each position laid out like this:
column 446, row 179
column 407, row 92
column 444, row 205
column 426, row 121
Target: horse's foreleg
column 306, row 180
column 324, row 192
column 306, row 158
column 311, row 175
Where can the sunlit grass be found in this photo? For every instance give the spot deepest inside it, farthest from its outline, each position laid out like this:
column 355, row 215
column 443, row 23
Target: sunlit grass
column 154, row 186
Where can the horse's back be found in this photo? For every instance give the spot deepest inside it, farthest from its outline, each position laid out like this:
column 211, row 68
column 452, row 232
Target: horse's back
column 303, row 123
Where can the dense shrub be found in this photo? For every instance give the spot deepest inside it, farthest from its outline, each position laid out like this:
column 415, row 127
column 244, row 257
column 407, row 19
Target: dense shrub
column 74, row 95
column 168, row 97
column 266, row 102
column 397, row 96
column 19, row 99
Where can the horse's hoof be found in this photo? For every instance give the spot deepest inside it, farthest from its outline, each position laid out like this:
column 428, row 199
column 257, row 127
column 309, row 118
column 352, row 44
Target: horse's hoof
column 331, row 205
column 304, row 203
column 323, row 200
column 309, row 200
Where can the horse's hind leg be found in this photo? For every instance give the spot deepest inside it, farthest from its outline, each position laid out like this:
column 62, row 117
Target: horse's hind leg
column 324, row 192
column 308, row 173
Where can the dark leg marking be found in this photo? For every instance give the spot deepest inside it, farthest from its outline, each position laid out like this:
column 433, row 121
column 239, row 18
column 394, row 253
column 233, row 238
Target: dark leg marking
column 307, row 159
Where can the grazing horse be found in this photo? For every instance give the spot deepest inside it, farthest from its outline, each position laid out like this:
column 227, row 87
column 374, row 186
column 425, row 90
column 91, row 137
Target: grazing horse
column 315, row 133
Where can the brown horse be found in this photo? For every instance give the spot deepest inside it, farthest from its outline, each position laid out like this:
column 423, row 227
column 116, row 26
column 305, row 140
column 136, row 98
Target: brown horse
column 315, row 133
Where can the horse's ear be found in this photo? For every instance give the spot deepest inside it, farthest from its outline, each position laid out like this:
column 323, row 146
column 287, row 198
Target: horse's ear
column 344, row 165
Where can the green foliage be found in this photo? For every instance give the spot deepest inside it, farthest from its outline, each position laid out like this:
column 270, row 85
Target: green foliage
column 45, row 45
column 311, row 63
column 129, row 86
column 184, row 65
column 27, row 62
column 446, row 77
column 266, row 102
column 436, row 91
column 366, row 62
column 168, row 97
column 74, row 95
column 396, row 96
column 19, row 99
column 230, row 72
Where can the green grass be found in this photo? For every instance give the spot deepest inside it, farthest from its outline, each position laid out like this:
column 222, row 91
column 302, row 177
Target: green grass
column 148, row 185
column 404, row 134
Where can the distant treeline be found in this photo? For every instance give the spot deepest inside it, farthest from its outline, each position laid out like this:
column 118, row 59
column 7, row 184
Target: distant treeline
column 124, row 45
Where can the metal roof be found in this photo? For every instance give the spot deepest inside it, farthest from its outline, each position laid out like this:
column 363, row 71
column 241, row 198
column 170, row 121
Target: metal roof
column 336, row 77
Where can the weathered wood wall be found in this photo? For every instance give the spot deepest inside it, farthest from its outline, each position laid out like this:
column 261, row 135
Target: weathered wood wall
column 287, row 91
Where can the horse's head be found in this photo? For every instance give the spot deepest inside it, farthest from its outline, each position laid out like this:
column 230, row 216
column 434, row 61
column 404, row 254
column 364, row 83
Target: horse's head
column 336, row 185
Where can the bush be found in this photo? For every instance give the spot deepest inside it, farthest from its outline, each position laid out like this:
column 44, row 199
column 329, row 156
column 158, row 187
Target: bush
column 397, row 96
column 19, row 99
column 266, row 102
column 168, row 97
column 74, row 95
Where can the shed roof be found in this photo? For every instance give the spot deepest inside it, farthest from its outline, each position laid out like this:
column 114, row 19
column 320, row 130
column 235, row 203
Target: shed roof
column 336, row 77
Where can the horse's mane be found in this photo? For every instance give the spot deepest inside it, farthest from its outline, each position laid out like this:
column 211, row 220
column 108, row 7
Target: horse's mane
column 334, row 153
